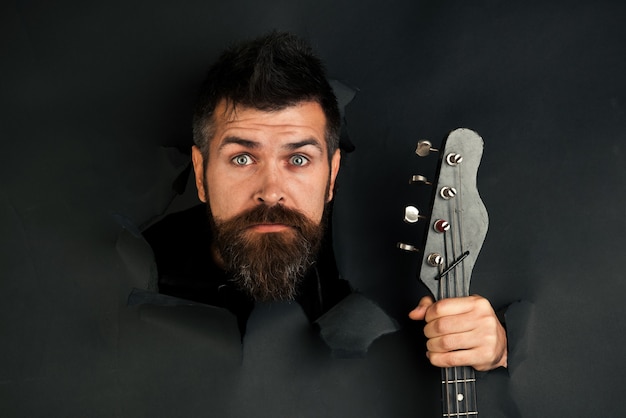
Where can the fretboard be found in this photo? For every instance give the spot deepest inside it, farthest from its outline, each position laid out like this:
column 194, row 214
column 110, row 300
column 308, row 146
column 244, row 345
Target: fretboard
column 458, row 389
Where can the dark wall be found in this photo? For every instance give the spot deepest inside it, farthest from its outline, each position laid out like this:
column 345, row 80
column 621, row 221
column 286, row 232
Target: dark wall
column 95, row 107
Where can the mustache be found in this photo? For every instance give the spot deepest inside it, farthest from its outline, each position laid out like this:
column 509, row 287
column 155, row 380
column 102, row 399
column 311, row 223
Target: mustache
column 263, row 214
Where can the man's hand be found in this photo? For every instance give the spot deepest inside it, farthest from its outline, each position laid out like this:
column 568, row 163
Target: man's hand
column 462, row 332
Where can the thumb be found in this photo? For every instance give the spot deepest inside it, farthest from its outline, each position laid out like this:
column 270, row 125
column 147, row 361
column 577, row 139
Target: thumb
column 419, row 312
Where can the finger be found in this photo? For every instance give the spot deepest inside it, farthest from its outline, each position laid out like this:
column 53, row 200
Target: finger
column 457, row 306
column 472, row 358
column 461, row 341
column 453, row 324
column 419, row 312
column 456, row 358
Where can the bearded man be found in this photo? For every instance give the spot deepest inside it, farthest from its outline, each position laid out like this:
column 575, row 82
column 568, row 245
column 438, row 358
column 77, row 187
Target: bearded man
column 266, row 157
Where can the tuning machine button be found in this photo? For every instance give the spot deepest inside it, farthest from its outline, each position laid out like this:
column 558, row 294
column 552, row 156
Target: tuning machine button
column 424, row 147
column 419, row 179
column 408, row 247
column 412, row 215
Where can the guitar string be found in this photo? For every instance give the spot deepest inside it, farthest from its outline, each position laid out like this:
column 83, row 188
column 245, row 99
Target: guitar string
column 461, row 374
column 462, row 282
column 445, row 292
column 451, row 381
column 468, row 372
column 450, row 284
column 456, row 286
column 457, row 249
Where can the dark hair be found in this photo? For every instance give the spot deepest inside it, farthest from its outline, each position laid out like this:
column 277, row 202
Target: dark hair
column 269, row 73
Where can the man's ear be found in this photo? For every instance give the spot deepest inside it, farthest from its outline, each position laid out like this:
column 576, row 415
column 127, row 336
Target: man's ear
column 198, row 168
column 335, row 162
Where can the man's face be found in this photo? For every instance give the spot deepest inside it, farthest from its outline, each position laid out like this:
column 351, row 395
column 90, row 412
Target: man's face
column 265, row 160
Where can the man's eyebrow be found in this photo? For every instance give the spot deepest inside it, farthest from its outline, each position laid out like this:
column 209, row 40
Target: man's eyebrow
column 292, row 146
column 239, row 141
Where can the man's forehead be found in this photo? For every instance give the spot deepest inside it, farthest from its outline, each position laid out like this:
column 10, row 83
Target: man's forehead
column 230, row 112
column 305, row 119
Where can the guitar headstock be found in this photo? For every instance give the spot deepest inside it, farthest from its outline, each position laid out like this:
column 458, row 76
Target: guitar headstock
column 458, row 220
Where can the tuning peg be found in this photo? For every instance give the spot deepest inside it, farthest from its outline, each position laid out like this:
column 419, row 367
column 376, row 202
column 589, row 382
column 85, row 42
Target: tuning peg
column 412, row 215
column 441, row 226
column 435, row 260
column 424, row 147
column 447, row 192
column 454, row 159
column 419, row 179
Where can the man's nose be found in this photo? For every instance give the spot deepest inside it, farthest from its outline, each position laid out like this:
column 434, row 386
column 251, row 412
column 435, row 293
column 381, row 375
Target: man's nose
column 270, row 186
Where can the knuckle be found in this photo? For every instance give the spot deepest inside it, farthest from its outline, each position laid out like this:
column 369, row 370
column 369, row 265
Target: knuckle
column 439, row 326
column 439, row 360
column 489, row 342
column 483, row 304
column 453, row 359
column 448, row 343
column 489, row 326
column 440, row 307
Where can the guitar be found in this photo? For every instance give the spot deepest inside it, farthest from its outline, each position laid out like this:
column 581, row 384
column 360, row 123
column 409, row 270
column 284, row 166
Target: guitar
column 458, row 224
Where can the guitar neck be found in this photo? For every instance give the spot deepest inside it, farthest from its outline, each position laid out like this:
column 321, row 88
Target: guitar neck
column 457, row 227
column 458, row 389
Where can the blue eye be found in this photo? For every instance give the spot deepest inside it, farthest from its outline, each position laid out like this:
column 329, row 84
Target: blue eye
column 298, row 160
column 243, row 159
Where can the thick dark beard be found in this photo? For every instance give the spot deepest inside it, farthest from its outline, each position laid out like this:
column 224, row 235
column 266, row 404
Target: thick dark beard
column 268, row 266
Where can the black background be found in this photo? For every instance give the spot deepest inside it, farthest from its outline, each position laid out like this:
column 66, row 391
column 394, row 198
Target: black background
column 95, row 106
